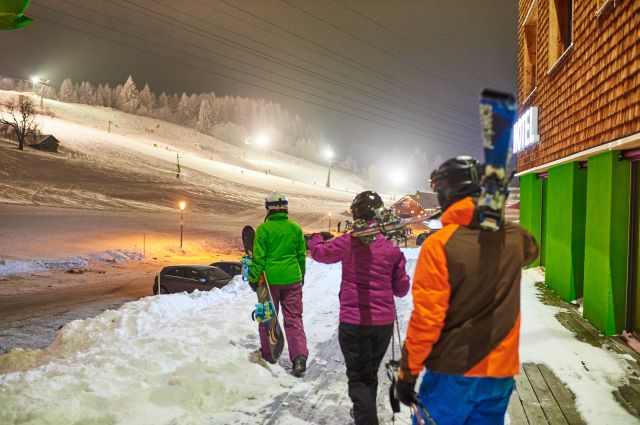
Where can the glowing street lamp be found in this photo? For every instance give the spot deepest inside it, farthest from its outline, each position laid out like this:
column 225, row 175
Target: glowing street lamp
column 181, row 205
column 397, row 178
column 328, row 154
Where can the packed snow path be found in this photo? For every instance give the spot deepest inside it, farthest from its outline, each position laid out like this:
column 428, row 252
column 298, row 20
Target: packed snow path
column 187, row 359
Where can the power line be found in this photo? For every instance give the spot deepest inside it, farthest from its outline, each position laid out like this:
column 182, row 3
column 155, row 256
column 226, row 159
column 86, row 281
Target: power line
column 357, row 37
column 405, row 38
column 307, row 70
column 464, row 131
column 375, row 114
column 207, row 70
column 369, row 70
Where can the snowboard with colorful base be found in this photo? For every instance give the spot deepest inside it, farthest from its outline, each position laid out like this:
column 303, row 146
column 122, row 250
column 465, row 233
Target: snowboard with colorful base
column 265, row 312
column 497, row 115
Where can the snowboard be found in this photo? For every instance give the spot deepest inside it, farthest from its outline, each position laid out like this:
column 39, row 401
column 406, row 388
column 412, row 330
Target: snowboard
column 497, row 116
column 265, row 312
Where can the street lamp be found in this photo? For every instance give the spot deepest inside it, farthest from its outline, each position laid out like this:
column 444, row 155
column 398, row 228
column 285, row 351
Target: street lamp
column 43, row 83
column 181, row 205
column 328, row 153
column 397, row 178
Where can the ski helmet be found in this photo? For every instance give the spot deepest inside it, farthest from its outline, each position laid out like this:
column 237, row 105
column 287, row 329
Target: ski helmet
column 365, row 204
column 456, row 178
column 277, row 202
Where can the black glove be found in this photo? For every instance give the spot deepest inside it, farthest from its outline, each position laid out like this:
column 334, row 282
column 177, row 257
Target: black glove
column 406, row 394
column 254, row 286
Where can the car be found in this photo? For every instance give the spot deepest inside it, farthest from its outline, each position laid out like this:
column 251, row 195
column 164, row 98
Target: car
column 188, row 278
column 232, row 268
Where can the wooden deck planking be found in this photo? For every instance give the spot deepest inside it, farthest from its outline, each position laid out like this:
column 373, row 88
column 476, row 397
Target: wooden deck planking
column 564, row 397
column 547, row 401
column 530, row 403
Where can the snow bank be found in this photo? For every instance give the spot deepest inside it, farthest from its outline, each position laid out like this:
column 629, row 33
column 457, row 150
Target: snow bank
column 590, row 372
column 8, row 267
column 112, row 256
column 180, row 358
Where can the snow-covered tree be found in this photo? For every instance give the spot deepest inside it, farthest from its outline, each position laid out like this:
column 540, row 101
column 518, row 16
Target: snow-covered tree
column 129, row 98
column 7, row 84
column 147, row 101
column 67, row 92
column 204, row 116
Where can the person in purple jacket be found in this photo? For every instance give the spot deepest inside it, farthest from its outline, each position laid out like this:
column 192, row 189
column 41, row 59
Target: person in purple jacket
column 371, row 275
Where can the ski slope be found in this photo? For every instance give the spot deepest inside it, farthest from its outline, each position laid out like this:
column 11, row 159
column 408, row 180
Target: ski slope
column 142, row 147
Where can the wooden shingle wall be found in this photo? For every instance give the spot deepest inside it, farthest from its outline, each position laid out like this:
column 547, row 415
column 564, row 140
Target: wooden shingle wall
column 592, row 96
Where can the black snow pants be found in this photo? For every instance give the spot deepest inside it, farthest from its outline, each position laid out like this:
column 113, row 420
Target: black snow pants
column 363, row 348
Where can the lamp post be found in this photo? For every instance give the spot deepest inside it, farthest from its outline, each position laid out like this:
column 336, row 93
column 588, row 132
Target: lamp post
column 43, row 83
column 181, row 205
column 329, row 155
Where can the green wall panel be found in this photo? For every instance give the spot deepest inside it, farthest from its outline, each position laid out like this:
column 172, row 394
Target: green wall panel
column 606, row 242
column 531, row 206
column 565, row 229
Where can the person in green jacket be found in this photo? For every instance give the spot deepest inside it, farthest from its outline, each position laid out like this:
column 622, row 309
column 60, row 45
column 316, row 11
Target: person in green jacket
column 279, row 250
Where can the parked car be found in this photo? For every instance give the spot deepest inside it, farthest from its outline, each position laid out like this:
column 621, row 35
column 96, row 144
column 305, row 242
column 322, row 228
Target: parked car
column 232, row 268
column 174, row 279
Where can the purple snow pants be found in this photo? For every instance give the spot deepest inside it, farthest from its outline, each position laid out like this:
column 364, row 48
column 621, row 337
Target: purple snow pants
column 290, row 297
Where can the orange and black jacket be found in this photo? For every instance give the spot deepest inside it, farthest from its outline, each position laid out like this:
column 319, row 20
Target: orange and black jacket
column 466, row 296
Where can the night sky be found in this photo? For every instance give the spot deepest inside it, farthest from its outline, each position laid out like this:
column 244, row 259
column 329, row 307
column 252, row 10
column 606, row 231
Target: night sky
column 388, row 75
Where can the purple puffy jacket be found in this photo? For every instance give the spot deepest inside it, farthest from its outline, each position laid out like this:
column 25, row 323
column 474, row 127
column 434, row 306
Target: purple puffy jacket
column 371, row 275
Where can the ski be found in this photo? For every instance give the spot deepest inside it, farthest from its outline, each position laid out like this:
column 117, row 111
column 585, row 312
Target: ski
column 265, row 312
column 497, row 115
column 388, row 224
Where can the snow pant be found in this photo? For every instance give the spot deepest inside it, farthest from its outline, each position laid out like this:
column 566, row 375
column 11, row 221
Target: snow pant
column 363, row 348
column 290, row 298
column 462, row 400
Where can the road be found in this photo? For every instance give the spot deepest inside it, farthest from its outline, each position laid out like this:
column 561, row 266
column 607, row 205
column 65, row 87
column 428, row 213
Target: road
column 33, row 307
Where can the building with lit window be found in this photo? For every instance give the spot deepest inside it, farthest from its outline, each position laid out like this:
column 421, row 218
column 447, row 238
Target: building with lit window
column 578, row 146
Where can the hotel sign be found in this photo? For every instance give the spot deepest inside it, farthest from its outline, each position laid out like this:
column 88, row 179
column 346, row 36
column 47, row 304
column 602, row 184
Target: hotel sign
column 525, row 130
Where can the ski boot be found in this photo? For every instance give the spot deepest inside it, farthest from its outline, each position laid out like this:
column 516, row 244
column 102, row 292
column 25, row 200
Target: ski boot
column 299, row 366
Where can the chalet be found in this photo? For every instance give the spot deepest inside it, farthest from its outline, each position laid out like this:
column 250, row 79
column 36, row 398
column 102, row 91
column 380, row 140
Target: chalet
column 414, row 205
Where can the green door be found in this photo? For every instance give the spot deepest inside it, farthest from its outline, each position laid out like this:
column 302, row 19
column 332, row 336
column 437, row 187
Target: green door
column 633, row 289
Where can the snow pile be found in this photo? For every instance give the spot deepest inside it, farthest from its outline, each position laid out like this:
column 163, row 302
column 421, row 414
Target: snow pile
column 10, row 267
column 111, row 256
column 116, row 256
column 590, row 372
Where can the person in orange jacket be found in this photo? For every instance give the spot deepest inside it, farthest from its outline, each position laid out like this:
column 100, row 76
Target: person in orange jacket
column 465, row 325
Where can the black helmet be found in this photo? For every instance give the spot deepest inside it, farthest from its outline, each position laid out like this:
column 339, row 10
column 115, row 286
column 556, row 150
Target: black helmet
column 456, row 178
column 365, row 204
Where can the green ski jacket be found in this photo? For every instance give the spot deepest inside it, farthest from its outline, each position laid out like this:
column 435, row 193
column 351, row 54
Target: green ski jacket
column 279, row 250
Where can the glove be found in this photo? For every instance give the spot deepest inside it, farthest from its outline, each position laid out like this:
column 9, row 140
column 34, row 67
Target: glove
column 406, row 394
column 254, row 286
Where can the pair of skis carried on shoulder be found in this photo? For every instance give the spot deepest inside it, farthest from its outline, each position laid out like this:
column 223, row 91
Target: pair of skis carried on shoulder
column 497, row 116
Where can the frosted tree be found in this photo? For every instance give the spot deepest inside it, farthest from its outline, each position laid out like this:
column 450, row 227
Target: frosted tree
column 67, row 92
column 204, row 116
column 86, row 93
column 182, row 110
column 147, row 101
column 129, row 97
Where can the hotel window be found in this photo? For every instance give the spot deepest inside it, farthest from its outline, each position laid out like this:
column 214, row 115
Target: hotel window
column 530, row 32
column 560, row 15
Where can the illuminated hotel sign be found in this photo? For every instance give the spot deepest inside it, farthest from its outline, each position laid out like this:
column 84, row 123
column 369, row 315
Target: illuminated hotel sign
column 525, row 130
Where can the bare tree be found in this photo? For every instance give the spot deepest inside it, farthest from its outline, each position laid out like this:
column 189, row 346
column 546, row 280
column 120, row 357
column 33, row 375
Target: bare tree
column 19, row 116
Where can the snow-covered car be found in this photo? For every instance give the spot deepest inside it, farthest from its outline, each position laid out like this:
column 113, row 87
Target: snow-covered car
column 188, row 278
column 232, row 268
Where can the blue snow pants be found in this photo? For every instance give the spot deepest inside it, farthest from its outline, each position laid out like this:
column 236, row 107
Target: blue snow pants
column 461, row 400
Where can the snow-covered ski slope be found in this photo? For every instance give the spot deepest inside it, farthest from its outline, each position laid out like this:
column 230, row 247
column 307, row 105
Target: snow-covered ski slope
column 142, row 147
column 187, row 359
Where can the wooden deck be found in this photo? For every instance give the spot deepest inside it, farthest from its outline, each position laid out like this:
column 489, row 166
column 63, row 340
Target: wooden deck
column 541, row 398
